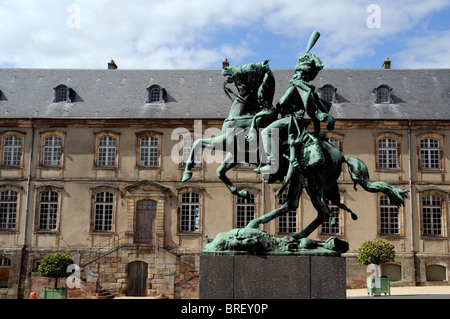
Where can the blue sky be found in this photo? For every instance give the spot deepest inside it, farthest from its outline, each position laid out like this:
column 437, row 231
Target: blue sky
column 150, row 34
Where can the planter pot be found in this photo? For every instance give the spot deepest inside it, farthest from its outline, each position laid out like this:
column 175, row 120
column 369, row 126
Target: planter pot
column 52, row 293
column 378, row 285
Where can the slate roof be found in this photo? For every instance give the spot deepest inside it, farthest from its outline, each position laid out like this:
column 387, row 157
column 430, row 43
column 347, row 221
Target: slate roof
column 419, row 94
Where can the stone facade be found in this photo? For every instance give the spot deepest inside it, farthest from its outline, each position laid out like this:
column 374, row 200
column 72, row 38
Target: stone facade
column 151, row 200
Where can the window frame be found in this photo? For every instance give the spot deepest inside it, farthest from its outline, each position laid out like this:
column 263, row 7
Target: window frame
column 431, row 136
column 39, row 209
column 190, row 190
column 443, row 198
column 333, row 93
column 289, row 218
column 192, row 136
column 94, row 192
column 7, row 188
column 385, row 204
column 388, row 136
column 51, row 134
column 157, row 98
column 10, row 134
column 99, row 136
column 68, row 92
column 148, row 134
column 236, row 204
column 376, row 93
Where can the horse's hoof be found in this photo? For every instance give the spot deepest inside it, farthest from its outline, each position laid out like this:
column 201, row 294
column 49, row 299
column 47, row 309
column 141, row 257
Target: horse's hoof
column 186, row 176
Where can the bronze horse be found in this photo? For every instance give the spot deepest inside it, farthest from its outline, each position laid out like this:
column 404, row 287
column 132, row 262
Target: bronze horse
column 255, row 85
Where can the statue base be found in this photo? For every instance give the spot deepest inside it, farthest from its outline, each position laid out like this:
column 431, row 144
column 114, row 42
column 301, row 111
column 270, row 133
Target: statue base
column 245, row 276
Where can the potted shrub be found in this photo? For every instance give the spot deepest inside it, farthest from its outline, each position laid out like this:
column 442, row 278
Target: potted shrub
column 376, row 252
column 55, row 266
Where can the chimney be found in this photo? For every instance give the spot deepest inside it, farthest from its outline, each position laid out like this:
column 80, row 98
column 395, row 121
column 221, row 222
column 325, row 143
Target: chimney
column 225, row 64
column 386, row 64
column 112, row 65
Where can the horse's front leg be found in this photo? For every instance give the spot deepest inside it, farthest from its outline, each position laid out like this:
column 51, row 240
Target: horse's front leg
column 226, row 165
column 200, row 143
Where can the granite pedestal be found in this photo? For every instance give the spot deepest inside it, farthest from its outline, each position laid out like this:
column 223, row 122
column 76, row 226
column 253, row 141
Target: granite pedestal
column 272, row 277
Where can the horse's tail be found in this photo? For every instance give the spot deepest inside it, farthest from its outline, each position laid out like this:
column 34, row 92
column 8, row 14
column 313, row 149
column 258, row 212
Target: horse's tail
column 360, row 175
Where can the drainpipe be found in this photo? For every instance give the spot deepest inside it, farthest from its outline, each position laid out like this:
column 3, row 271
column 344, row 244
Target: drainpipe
column 411, row 203
column 28, row 184
column 263, row 209
column 27, row 207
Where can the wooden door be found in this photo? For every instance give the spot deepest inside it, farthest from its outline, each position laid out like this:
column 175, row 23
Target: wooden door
column 137, row 279
column 145, row 221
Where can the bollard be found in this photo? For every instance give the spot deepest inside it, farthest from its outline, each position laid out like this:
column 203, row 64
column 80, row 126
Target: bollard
column 32, row 295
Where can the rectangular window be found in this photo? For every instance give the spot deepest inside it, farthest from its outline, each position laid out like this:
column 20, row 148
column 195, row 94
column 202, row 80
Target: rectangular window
column 431, row 215
column 149, row 149
column 287, row 223
column 389, row 217
column 8, row 210
column 52, row 151
column 327, row 228
column 12, row 151
column 245, row 211
column 190, row 206
column 107, row 148
column 103, row 211
column 48, row 210
column 429, row 154
column 387, row 153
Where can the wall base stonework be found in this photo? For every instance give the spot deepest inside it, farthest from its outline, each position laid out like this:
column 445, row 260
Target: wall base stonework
column 272, row 277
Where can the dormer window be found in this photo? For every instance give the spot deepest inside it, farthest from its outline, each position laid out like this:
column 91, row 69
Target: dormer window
column 63, row 94
column 383, row 94
column 328, row 93
column 155, row 94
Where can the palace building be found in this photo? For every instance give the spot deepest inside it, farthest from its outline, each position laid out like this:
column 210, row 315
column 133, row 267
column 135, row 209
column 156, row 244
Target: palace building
column 91, row 163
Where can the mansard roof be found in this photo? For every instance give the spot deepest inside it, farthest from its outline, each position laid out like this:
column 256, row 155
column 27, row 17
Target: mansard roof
column 418, row 94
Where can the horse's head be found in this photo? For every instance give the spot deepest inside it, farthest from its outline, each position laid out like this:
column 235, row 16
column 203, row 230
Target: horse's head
column 253, row 80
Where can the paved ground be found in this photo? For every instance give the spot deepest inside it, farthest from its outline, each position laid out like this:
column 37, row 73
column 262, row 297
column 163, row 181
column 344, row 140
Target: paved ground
column 423, row 292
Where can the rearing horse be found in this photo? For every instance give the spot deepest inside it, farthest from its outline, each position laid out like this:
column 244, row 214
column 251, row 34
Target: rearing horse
column 256, row 88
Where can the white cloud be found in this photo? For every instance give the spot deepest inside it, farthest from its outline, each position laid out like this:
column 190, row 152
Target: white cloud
column 432, row 51
column 190, row 34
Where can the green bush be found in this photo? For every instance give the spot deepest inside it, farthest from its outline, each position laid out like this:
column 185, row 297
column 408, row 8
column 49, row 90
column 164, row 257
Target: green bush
column 377, row 251
column 55, row 266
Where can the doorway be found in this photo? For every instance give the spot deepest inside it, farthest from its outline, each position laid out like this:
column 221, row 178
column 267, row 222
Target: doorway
column 137, row 279
column 145, row 222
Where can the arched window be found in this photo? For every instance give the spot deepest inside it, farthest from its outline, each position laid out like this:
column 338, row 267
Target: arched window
column 155, row 94
column 328, row 93
column 383, row 94
column 12, row 149
column 430, row 154
column 63, row 94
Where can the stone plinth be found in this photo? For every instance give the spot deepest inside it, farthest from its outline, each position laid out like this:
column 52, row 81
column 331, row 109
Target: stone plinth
column 272, row 277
